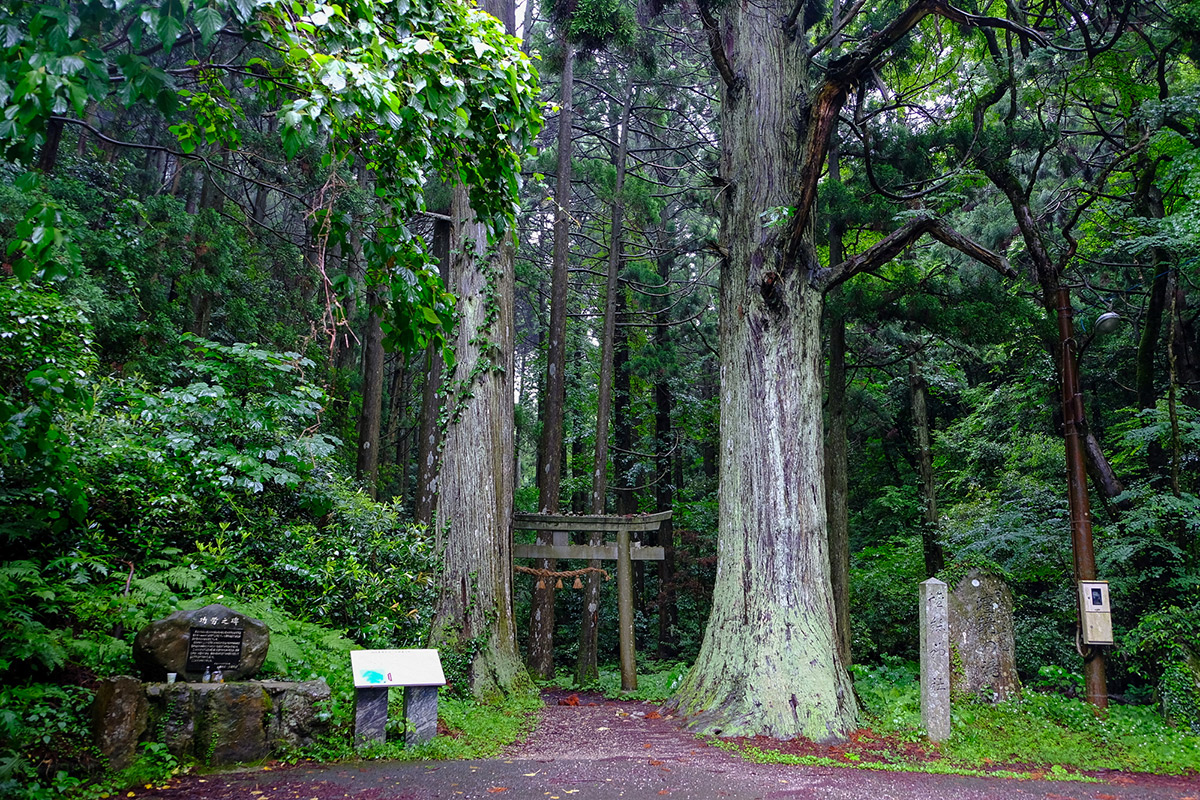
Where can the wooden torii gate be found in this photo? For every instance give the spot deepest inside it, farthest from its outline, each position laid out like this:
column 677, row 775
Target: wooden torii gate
column 622, row 551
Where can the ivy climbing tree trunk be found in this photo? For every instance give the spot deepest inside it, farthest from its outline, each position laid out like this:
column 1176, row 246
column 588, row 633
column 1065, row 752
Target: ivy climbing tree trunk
column 474, row 613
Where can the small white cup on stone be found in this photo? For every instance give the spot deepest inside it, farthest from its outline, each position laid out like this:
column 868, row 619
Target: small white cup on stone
column 171, row 677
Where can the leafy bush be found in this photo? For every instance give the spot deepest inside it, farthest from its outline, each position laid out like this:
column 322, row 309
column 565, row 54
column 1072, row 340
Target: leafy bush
column 45, row 741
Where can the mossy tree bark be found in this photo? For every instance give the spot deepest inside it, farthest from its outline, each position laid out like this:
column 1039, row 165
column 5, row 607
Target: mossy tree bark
column 769, row 664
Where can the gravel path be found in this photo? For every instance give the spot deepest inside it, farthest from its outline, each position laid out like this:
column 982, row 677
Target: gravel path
column 601, row 750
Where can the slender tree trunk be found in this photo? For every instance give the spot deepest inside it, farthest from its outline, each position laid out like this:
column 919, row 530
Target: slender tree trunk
column 367, row 467
column 837, row 470
column 398, row 432
column 919, row 389
column 474, row 613
column 668, row 645
column 837, row 457
column 623, row 460
column 48, row 155
column 587, row 669
column 769, row 663
column 550, row 449
column 429, row 437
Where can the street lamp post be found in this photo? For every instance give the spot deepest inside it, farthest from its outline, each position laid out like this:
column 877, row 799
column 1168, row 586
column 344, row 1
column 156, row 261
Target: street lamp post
column 1077, row 493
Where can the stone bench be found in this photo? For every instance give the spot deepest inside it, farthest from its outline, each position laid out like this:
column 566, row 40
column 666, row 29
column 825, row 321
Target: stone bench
column 418, row 672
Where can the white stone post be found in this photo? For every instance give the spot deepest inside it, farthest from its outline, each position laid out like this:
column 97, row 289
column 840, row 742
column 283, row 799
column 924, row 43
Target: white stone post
column 935, row 660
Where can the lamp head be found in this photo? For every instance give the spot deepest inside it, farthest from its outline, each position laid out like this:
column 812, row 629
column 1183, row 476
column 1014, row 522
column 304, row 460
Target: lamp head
column 1108, row 322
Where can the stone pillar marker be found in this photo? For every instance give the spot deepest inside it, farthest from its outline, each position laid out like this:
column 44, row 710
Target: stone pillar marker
column 935, row 659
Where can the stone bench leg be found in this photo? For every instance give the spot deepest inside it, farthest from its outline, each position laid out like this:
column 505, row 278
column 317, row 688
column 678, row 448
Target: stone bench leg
column 420, row 714
column 370, row 715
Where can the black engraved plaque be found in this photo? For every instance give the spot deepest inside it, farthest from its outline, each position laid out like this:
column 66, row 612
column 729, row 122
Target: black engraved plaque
column 216, row 648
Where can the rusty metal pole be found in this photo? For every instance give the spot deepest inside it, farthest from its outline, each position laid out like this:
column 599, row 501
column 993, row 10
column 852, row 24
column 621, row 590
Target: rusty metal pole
column 1077, row 492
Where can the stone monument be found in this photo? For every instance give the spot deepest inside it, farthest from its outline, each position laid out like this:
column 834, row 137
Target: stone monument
column 227, row 720
column 191, row 643
column 935, row 660
column 981, row 634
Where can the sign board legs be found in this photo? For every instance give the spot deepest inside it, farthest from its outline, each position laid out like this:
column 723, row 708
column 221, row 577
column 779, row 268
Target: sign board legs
column 370, row 715
column 420, row 714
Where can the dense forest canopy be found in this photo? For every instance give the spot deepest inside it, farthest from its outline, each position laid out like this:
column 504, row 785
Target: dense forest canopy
column 297, row 298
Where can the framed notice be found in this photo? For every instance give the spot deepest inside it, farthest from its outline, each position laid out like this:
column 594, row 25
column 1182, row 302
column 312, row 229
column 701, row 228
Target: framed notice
column 381, row 668
column 216, row 648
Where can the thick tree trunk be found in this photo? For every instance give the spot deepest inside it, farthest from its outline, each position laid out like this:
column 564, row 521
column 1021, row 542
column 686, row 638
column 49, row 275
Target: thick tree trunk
column 474, row 614
column 769, row 664
column 586, row 668
column 550, row 449
column 934, row 560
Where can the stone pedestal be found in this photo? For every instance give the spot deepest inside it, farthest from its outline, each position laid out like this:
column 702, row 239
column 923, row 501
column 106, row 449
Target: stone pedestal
column 212, row 723
column 119, row 718
column 935, row 660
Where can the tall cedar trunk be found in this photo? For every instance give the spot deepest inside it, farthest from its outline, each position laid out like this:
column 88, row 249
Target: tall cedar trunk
column 837, row 485
column 837, row 455
column 668, row 645
column 586, row 668
column 474, row 613
column 768, row 664
column 623, row 460
column 1150, row 204
column 398, row 431
column 550, row 449
column 934, row 560
column 429, row 437
column 367, row 468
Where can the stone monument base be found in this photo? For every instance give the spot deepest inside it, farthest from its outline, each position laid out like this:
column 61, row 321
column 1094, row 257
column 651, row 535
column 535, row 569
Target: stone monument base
column 210, row 723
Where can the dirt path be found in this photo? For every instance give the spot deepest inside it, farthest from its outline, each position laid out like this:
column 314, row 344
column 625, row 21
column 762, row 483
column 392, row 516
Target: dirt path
column 600, row 750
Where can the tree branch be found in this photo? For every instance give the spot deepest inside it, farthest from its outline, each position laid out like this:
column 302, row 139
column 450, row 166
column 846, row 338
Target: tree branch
column 891, row 245
column 849, row 70
column 718, row 50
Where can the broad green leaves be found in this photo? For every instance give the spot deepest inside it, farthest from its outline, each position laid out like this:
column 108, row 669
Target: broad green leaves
column 407, row 90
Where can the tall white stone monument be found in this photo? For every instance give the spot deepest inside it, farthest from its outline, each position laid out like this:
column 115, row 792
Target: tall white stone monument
column 935, row 659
